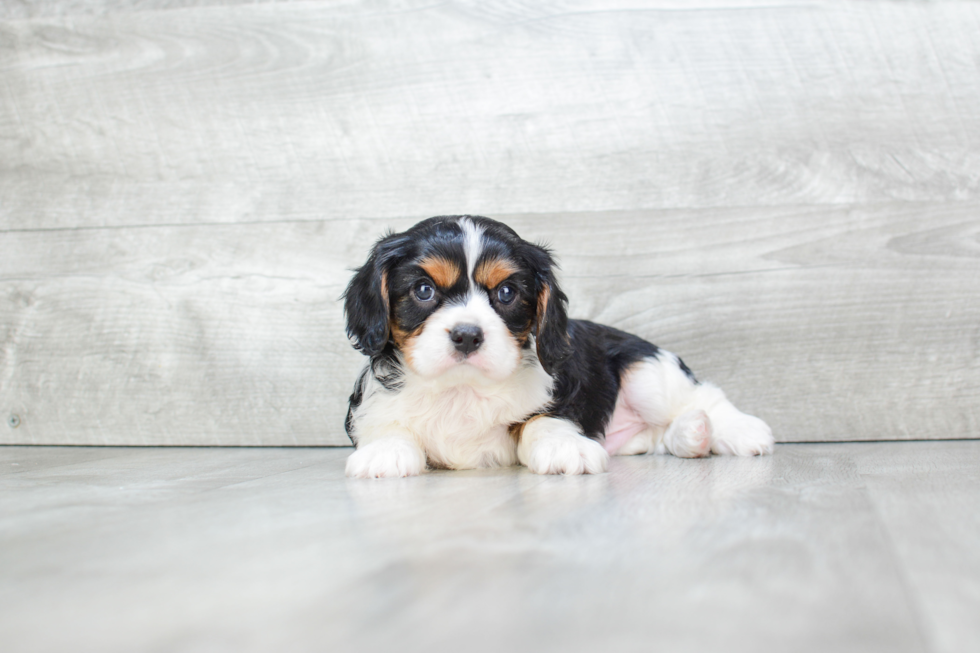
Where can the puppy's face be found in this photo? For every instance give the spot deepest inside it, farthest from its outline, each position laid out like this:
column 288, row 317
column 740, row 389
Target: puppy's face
column 458, row 296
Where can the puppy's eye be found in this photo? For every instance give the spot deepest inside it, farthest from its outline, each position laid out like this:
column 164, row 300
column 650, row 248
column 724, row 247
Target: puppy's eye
column 506, row 294
column 424, row 291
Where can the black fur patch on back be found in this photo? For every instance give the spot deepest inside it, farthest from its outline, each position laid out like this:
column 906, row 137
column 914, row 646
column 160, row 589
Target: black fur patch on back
column 587, row 384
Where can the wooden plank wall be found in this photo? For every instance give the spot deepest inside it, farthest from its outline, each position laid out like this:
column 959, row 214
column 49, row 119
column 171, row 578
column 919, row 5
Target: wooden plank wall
column 787, row 195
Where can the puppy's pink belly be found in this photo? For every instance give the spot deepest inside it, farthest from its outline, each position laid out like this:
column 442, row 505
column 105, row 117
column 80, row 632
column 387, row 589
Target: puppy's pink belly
column 624, row 425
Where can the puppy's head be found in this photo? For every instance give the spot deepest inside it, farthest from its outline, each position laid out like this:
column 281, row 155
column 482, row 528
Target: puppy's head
column 458, row 293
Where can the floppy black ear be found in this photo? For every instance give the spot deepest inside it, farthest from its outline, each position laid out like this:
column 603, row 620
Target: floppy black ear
column 551, row 315
column 366, row 300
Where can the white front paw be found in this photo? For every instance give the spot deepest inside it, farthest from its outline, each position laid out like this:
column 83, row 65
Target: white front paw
column 742, row 435
column 555, row 446
column 387, row 457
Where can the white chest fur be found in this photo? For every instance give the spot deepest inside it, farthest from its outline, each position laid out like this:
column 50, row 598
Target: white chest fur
column 460, row 420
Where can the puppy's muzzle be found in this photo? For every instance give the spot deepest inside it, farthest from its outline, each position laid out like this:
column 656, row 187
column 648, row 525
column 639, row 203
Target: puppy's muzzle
column 467, row 338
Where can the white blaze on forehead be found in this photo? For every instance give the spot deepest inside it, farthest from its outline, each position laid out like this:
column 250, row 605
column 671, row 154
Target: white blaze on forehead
column 471, row 245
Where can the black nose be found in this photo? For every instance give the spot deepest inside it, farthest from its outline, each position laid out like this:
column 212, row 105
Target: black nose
column 467, row 338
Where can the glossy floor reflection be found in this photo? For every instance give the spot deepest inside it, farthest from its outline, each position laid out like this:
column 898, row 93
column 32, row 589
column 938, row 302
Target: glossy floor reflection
column 870, row 547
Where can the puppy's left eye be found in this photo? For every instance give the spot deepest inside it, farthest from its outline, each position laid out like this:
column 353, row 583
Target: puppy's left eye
column 506, row 294
column 424, row 291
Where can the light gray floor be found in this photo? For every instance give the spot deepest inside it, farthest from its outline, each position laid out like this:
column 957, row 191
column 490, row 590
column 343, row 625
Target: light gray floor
column 870, row 547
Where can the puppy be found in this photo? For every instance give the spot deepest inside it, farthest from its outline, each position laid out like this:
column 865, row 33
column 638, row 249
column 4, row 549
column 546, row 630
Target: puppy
column 473, row 362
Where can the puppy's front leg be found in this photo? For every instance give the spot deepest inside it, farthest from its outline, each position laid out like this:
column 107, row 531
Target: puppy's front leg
column 551, row 445
column 394, row 454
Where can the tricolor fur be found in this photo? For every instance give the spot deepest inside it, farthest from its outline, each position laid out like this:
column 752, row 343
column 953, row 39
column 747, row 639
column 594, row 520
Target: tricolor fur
column 473, row 362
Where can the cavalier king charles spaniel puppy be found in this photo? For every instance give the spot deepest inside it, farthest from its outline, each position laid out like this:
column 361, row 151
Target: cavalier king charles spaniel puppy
column 473, row 362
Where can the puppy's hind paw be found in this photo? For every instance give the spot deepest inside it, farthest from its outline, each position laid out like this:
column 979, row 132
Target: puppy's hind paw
column 689, row 435
column 742, row 435
column 385, row 458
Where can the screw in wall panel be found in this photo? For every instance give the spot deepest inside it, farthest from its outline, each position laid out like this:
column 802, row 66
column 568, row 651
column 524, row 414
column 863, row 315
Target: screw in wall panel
column 13, row 421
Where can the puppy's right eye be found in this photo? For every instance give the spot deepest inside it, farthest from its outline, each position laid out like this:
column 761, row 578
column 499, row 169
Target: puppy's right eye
column 424, row 291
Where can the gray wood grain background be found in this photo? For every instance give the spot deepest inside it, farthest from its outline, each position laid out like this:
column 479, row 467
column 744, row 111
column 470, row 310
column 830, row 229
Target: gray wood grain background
column 786, row 195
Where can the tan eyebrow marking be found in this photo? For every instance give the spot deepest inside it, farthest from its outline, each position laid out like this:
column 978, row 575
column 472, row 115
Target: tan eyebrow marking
column 493, row 272
column 444, row 272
